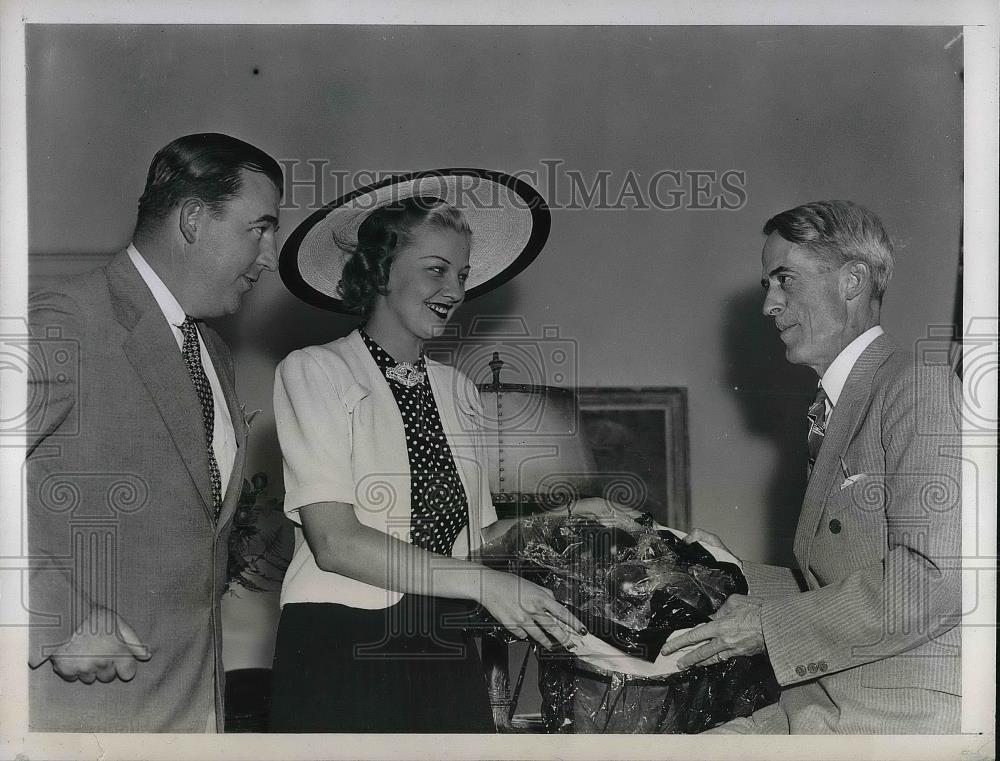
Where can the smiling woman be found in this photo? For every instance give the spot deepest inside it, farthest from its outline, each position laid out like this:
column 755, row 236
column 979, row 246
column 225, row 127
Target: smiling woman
column 408, row 271
column 384, row 461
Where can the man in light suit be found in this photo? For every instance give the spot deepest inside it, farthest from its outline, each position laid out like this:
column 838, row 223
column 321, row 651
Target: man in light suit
column 863, row 636
column 135, row 462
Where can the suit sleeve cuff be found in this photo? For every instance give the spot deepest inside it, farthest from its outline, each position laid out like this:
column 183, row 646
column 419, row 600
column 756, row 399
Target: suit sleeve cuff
column 793, row 658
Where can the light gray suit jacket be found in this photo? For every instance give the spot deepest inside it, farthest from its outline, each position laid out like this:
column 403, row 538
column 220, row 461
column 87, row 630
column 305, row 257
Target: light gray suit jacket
column 119, row 505
column 871, row 645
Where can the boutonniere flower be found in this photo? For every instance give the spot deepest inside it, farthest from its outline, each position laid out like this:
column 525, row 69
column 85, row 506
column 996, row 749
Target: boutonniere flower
column 248, row 417
column 258, row 546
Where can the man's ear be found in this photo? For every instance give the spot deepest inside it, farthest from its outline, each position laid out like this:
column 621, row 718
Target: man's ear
column 191, row 213
column 856, row 278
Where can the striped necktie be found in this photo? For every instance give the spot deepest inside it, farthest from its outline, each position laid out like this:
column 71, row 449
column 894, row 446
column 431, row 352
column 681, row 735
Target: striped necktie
column 817, row 426
column 191, row 350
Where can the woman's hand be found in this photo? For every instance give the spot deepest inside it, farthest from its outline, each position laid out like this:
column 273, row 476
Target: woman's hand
column 528, row 610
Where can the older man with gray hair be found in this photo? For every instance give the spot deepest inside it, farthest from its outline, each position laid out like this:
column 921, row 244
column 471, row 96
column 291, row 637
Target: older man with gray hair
column 862, row 636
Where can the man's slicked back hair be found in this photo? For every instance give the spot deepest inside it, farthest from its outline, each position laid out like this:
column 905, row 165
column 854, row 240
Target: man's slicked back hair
column 838, row 232
column 206, row 166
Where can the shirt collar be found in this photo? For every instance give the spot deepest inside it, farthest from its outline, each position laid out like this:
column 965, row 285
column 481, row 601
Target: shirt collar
column 382, row 358
column 836, row 374
column 170, row 307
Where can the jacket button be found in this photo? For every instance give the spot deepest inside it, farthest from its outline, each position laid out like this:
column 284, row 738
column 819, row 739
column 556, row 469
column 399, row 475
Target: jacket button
column 800, row 670
column 822, row 666
column 835, row 526
column 812, row 668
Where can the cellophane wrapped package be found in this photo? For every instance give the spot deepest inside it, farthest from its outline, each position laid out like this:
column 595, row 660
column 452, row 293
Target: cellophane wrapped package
column 632, row 584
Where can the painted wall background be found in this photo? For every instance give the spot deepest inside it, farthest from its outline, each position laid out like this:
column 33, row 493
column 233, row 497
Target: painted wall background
column 648, row 296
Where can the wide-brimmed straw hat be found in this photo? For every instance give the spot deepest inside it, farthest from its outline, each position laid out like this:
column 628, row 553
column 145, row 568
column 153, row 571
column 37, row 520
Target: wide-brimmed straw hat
column 509, row 220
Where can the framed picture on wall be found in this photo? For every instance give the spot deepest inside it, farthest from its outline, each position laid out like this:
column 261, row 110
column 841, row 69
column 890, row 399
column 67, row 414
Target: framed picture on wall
column 639, row 441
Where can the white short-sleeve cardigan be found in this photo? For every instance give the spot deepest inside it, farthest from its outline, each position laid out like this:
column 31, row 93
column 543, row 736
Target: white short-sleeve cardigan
column 342, row 440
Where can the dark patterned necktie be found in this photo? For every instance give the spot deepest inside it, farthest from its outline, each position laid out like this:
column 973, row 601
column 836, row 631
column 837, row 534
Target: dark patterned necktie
column 192, row 358
column 817, row 426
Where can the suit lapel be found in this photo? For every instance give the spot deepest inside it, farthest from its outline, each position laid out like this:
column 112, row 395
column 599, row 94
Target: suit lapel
column 233, row 490
column 844, row 423
column 152, row 350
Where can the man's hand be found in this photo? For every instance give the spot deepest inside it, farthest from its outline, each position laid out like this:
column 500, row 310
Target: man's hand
column 735, row 629
column 706, row 537
column 103, row 649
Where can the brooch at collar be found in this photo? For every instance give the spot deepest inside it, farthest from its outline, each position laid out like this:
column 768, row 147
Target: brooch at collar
column 406, row 374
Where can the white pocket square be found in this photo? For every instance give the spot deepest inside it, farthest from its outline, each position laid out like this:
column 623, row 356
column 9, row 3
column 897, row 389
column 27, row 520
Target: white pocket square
column 851, row 479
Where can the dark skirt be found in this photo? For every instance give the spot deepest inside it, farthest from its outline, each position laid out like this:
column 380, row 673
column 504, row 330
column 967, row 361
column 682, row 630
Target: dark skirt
column 407, row 668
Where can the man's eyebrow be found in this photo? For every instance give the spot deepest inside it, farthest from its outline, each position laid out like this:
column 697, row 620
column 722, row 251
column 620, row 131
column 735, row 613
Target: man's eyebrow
column 270, row 218
column 775, row 272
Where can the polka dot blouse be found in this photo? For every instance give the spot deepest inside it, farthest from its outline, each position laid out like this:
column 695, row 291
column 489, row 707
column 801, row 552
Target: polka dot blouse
column 439, row 507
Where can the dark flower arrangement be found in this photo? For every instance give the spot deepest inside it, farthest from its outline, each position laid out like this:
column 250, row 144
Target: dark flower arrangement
column 255, row 554
column 632, row 584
